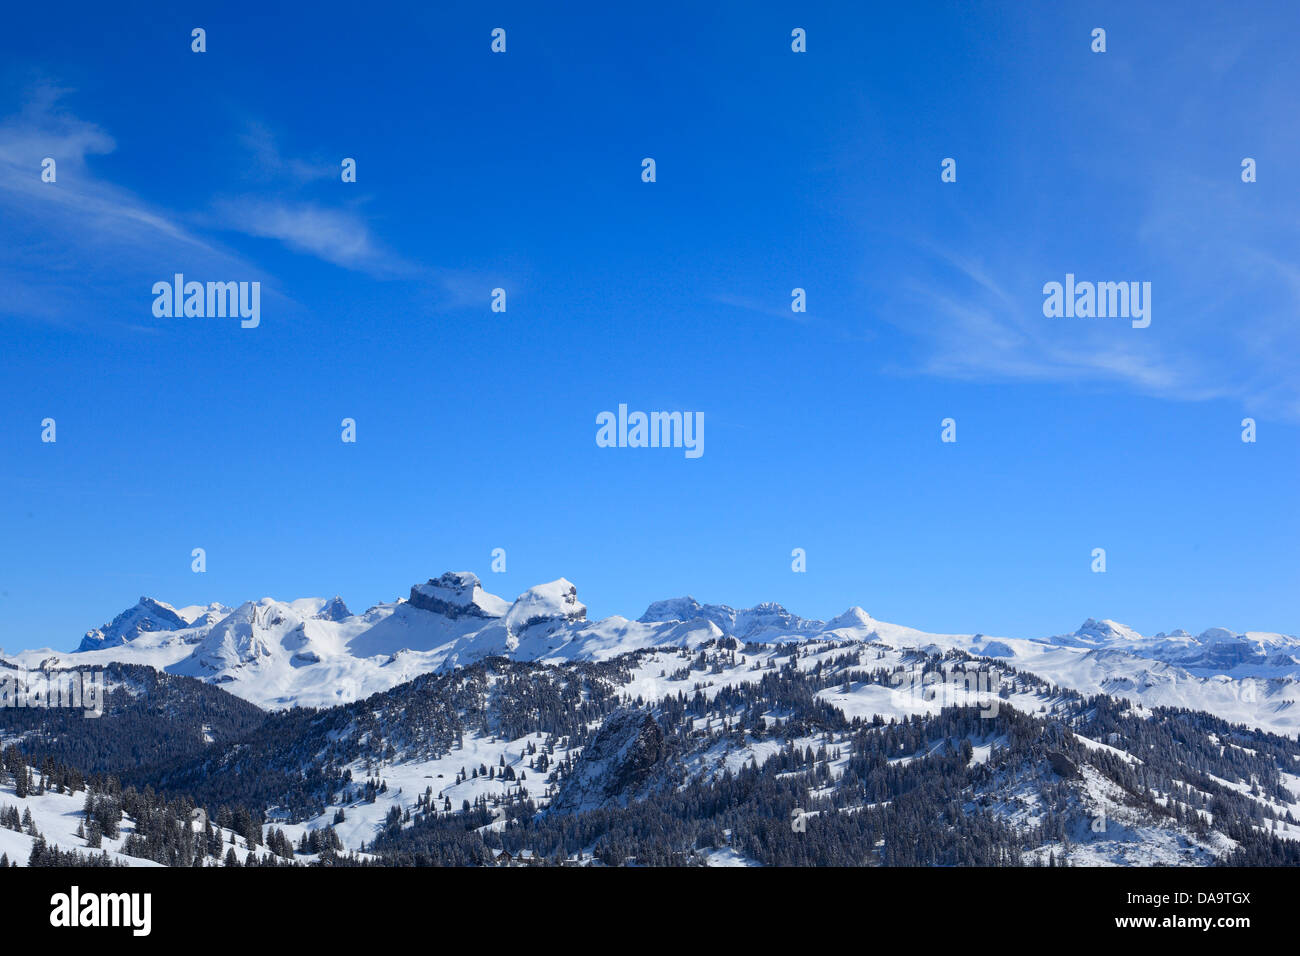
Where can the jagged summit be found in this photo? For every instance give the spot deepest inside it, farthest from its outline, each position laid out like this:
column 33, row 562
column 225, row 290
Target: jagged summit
column 146, row 615
column 457, row 594
column 200, row 615
column 555, row 601
column 334, row 610
column 744, row 624
column 317, row 652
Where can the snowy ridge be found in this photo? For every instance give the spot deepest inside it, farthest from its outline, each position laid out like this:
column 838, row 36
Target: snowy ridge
column 1065, row 803
column 146, row 615
column 57, row 817
column 315, row 652
column 457, row 594
column 522, row 745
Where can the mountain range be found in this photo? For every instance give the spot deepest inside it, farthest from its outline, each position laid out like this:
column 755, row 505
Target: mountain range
column 455, row 727
column 316, row 652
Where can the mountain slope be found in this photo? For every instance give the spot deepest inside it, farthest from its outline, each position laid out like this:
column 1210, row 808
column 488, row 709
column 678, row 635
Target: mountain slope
column 822, row 751
column 314, row 652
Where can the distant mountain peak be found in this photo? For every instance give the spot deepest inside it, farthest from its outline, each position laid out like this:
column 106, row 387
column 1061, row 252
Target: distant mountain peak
column 554, row 601
column 197, row 615
column 457, row 594
column 853, row 617
column 147, row 614
column 674, row 609
column 315, row 652
column 1106, row 630
column 743, row 624
column 334, row 610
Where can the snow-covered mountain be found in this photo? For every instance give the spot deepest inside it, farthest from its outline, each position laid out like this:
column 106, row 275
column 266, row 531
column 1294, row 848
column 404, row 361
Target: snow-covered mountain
column 315, row 652
column 699, row 751
column 760, row 623
column 1215, row 651
column 147, row 615
column 655, row 742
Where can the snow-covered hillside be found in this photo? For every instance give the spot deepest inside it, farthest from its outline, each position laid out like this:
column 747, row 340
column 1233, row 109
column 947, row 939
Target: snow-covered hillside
column 315, row 652
column 1066, row 806
column 57, row 819
column 891, row 754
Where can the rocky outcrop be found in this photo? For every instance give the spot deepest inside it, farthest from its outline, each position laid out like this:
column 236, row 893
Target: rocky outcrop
column 619, row 763
column 744, row 624
column 146, row 615
column 334, row 610
column 456, row 594
column 1065, row 768
column 553, row 603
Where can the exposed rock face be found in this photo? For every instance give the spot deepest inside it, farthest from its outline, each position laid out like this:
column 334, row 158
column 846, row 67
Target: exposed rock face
column 621, row 759
column 554, row 603
column 334, row 610
column 147, row 615
column 455, row 595
column 1063, row 765
column 742, row 624
column 246, row 636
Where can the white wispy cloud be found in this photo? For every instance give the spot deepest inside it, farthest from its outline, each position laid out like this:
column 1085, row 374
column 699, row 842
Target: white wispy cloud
column 267, row 161
column 73, row 244
column 337, row 236
column 43, row 129
column 84, row 232
column 1234, row 340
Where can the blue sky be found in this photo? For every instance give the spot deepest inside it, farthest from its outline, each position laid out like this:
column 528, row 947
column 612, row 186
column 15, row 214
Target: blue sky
column 775, row 170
